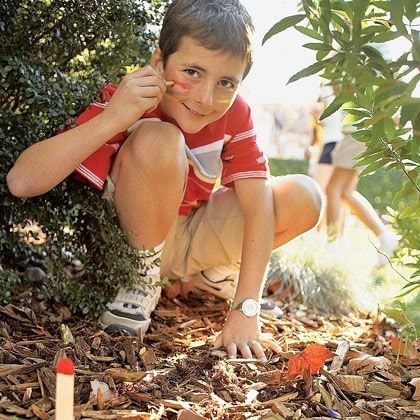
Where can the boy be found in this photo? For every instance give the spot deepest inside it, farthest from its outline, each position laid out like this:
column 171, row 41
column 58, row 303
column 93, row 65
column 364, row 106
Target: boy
column 183, row 125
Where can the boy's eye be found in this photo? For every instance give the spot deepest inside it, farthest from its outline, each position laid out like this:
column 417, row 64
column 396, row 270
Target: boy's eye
column 227, row 84
column 191, row 72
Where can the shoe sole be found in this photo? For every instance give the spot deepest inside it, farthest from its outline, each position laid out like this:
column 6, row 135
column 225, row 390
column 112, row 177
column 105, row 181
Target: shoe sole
column 111, row 323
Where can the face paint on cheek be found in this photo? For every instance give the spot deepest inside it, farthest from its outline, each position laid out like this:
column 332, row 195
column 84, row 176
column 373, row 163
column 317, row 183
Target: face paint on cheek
column 178, row 88
column 182, row 85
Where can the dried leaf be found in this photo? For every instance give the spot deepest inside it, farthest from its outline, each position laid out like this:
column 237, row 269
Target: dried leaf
column 312, row 358
column 66, row 335
column 402, row 347
column 366, row 363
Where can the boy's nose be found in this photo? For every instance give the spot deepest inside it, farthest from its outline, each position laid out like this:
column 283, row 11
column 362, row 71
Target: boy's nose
column 205, row 94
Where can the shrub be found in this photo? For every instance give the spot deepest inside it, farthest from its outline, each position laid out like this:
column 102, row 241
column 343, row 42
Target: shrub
column 350, row 40
column 55, row 56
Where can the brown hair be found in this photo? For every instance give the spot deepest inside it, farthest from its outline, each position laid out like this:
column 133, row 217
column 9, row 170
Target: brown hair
column 215, row 24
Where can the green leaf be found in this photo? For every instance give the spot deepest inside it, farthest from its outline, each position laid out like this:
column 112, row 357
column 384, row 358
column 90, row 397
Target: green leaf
column 282, row 25
column 397, row 16
column 317, row 46
column 396, row 315
column 309, row 32
column 407, row 189
column 416, row 44
column 344, row 24
column 410, row 210
column 410, row 7
column 360, row 112
column 374, row 157
column 332, row 107
column 308, row 71
column 385, row 37
column 373, row 167
column 409, row 112
column 359, row 9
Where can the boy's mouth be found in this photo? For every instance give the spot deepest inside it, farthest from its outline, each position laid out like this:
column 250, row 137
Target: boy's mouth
column 194, row 112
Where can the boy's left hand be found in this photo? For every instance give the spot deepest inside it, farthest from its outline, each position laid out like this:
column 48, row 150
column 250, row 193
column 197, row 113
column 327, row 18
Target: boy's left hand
column 242, row 335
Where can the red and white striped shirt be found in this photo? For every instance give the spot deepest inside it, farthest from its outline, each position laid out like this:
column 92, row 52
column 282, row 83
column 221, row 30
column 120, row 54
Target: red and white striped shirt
column 226, row 149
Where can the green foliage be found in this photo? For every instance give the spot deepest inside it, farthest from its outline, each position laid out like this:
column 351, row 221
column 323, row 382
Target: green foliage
column 379, row 188
column 407, row 317
column 351, row 39
column 288, row 166
column 54, row 57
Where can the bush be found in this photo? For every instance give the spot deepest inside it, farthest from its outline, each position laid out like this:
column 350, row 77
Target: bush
column 54, row 59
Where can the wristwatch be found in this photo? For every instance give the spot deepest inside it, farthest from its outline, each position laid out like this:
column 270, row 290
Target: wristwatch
column 249, row 307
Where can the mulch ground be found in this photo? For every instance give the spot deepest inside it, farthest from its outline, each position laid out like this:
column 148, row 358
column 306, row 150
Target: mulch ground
column 173, row 372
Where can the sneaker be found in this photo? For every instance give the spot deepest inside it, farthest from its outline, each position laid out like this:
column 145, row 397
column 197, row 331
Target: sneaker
column 132, row 307
column 225, row 289
column 388, row 243
column 268, row 307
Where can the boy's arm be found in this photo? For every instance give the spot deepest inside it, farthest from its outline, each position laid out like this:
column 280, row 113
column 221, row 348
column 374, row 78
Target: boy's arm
column 242, row 334
column 45, row 164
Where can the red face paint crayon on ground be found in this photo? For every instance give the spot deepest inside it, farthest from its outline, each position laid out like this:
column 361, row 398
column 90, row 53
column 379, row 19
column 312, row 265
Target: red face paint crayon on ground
column 64, row 393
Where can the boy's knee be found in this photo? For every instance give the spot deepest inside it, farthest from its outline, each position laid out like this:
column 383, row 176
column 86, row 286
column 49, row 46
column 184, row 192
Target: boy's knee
column 304, row 195
column 156, row 144
column 313, row 200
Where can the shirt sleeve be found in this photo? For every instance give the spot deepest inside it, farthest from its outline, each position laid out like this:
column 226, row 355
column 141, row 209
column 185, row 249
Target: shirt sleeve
column 94, row 169
column 241, row 156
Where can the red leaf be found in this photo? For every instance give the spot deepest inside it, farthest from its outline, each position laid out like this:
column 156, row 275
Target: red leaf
column 312, row 358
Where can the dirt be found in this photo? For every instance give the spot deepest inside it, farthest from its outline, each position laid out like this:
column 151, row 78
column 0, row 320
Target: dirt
column 173, row 372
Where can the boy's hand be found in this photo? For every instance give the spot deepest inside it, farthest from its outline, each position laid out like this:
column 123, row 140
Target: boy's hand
column 139, row 92
column 242, row 335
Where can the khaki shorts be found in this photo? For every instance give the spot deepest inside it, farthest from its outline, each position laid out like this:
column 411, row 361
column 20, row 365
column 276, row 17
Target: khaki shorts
column 343, row 156
column 209, row 237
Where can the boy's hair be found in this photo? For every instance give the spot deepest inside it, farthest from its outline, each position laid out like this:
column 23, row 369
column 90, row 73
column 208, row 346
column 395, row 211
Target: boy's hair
column 215, row 24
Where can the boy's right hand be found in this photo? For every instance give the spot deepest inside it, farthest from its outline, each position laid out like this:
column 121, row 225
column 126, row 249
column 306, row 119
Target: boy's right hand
column 138, row 92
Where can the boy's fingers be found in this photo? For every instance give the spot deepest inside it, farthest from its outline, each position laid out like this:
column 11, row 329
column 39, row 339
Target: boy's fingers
column 245, row 351
column 258, row 351
column 270, row 344
column 232, row 350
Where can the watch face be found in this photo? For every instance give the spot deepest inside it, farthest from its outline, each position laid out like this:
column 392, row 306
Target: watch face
column 250, row 307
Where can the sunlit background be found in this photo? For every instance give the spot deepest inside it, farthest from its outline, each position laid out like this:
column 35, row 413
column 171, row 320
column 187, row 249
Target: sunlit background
column 281, row 110
column 279, row 58
column 281, row 113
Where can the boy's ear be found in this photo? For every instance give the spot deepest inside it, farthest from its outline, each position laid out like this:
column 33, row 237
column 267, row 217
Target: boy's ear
column 156, row 60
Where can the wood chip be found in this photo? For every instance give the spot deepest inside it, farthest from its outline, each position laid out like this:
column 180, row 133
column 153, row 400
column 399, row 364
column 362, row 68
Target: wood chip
column 341, row 353
column 125, row 375
column 149, row 359
column 379, row 388
column 354, row 383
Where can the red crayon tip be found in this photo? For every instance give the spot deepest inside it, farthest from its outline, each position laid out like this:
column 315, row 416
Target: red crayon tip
column 65, row 366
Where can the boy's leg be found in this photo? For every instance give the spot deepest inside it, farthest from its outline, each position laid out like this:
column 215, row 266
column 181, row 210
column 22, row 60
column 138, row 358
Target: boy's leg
column 216, row 230
column 148, row 179
column 214, row 233
column 149, row 175
column 298, row 205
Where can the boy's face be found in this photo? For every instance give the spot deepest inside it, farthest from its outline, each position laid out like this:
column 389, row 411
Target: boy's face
column 206, row 84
